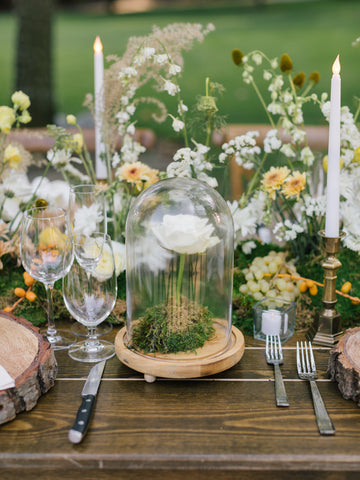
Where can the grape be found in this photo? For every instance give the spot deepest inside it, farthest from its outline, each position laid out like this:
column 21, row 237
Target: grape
column 262, row 280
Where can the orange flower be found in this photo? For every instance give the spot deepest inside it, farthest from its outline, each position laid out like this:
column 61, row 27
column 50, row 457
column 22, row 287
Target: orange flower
column 273, row 179
column 138, row 173
column 294, row 185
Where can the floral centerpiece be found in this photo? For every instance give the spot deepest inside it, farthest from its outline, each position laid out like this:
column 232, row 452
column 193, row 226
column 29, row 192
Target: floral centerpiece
column 286, row 190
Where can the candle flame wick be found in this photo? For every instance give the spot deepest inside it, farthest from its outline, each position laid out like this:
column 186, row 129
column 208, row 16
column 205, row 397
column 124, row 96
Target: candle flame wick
column 98, row 45
column 336, row 66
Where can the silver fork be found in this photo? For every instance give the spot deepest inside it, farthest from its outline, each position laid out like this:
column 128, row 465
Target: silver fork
column 306, row 368
column 274, row 357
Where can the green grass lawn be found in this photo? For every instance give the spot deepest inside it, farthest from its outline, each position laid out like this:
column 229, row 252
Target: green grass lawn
column 312, row 33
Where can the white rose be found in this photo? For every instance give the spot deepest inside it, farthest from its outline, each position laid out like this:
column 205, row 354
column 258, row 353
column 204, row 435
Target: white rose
column 185, row 233
column 119, row 257
column 105, row 268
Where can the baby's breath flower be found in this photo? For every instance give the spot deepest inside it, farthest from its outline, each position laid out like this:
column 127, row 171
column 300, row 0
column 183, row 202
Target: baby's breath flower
column 174, row 69
column 286, row 64
column 299, row 79
column 171, row 88
column 257, row 58
column 177, row 125
column 237, row 56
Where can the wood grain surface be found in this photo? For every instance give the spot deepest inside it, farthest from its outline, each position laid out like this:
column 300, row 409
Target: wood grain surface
column 29, row 359
column 224, row 426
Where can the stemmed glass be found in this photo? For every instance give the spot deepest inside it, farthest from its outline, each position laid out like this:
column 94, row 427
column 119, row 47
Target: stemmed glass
column 87, row 207
column 90, row 296
column 46, row 251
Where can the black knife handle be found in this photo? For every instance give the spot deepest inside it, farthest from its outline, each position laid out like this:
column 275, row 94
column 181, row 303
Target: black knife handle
column 78, row 431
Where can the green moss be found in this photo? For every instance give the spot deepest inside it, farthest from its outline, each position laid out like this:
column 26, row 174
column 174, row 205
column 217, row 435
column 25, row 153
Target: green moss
column 170, row 329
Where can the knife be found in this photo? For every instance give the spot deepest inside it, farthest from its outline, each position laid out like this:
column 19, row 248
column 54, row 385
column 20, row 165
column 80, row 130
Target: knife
column 82, row 421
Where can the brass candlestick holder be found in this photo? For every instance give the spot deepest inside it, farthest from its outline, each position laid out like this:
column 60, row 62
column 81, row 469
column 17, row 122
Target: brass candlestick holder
column 326, row 329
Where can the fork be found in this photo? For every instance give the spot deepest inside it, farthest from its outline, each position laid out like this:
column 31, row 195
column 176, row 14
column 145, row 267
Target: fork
column 306, row 368
column 274, row 357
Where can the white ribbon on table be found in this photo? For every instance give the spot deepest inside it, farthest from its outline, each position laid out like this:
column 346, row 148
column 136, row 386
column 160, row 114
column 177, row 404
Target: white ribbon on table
column 6, row 381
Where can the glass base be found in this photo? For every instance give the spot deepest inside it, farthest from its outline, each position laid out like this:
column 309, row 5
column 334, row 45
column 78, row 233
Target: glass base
column 61, row 341
column 82, row 331
column 86, row 352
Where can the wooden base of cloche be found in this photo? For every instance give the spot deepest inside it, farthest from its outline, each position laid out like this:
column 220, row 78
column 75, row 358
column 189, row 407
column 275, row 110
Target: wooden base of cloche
column 207, row 360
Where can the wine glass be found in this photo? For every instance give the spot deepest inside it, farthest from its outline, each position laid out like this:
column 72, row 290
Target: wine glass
column 87, row 207
column 90, row 296
column 46, row 252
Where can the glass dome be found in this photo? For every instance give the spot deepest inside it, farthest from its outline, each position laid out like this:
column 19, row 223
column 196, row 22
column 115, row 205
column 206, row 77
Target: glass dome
column 179, row 246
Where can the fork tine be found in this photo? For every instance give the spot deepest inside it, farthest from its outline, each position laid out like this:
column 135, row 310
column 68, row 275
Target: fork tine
column 298, row 363
column 312, row 359
column 279, row 349
column 308, row 366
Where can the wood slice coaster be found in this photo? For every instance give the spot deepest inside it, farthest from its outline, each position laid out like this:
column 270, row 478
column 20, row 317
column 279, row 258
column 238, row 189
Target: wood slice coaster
column 28, row 358
column 207, row 360
column 344, row 364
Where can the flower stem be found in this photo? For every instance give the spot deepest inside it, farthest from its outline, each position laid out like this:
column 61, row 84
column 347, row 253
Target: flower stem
column 180, row 277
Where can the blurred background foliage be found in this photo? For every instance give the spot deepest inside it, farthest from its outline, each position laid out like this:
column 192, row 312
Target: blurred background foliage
column 311, row 32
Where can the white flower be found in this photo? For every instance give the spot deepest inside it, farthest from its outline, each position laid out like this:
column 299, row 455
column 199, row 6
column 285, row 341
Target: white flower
column 161, row 58
column 59, row 158
column 185, row 233
column 86, row 219
column 272, row 141
column 119, row 256
column 171, row 88
column 247, row 247
column 105, row 267
column 55, row 193
column 174, row 69
column 177, row 125
column 182, row 108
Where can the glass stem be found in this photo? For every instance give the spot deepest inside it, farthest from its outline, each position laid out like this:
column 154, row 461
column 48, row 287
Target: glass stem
column 51, row 329
column 92, row 341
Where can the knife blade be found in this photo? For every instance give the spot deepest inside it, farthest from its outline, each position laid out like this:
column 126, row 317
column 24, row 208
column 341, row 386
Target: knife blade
column 89, row 391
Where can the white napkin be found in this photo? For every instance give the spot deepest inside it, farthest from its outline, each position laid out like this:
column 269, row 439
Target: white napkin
column 5, row 380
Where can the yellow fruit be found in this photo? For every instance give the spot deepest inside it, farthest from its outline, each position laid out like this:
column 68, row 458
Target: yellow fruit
column 28, row 279
column 355, row 302
column 313, row 290
column 19, row 292
column 346, row 287
column 7, row 309
column 325, row 163
column 31, row 296
column 309, row 283
column 303, row 286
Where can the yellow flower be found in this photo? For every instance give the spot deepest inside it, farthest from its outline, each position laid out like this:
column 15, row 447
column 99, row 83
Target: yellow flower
column 75, row 143
column 356, row 157
column 294, row 185
column 273, row 179
column 71, row 119
column 24, row 117
column 20, row 100
column 325, row 162
column 78, row 142
column 12, row 156
column 7, row 118
column 137, row 173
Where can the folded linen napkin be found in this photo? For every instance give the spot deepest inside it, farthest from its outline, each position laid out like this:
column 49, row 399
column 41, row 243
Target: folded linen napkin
column 5, row 380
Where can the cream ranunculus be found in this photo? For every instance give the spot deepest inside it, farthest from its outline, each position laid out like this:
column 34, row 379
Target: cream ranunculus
column 105, row 267
column 21, row 100
column 7, row 118
column 119, row 257
column 185, row 233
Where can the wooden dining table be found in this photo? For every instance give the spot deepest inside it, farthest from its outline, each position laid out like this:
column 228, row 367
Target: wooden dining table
column 226, row 426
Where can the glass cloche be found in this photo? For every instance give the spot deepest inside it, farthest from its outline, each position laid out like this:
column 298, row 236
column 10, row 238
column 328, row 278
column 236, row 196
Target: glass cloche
column 179, row 244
